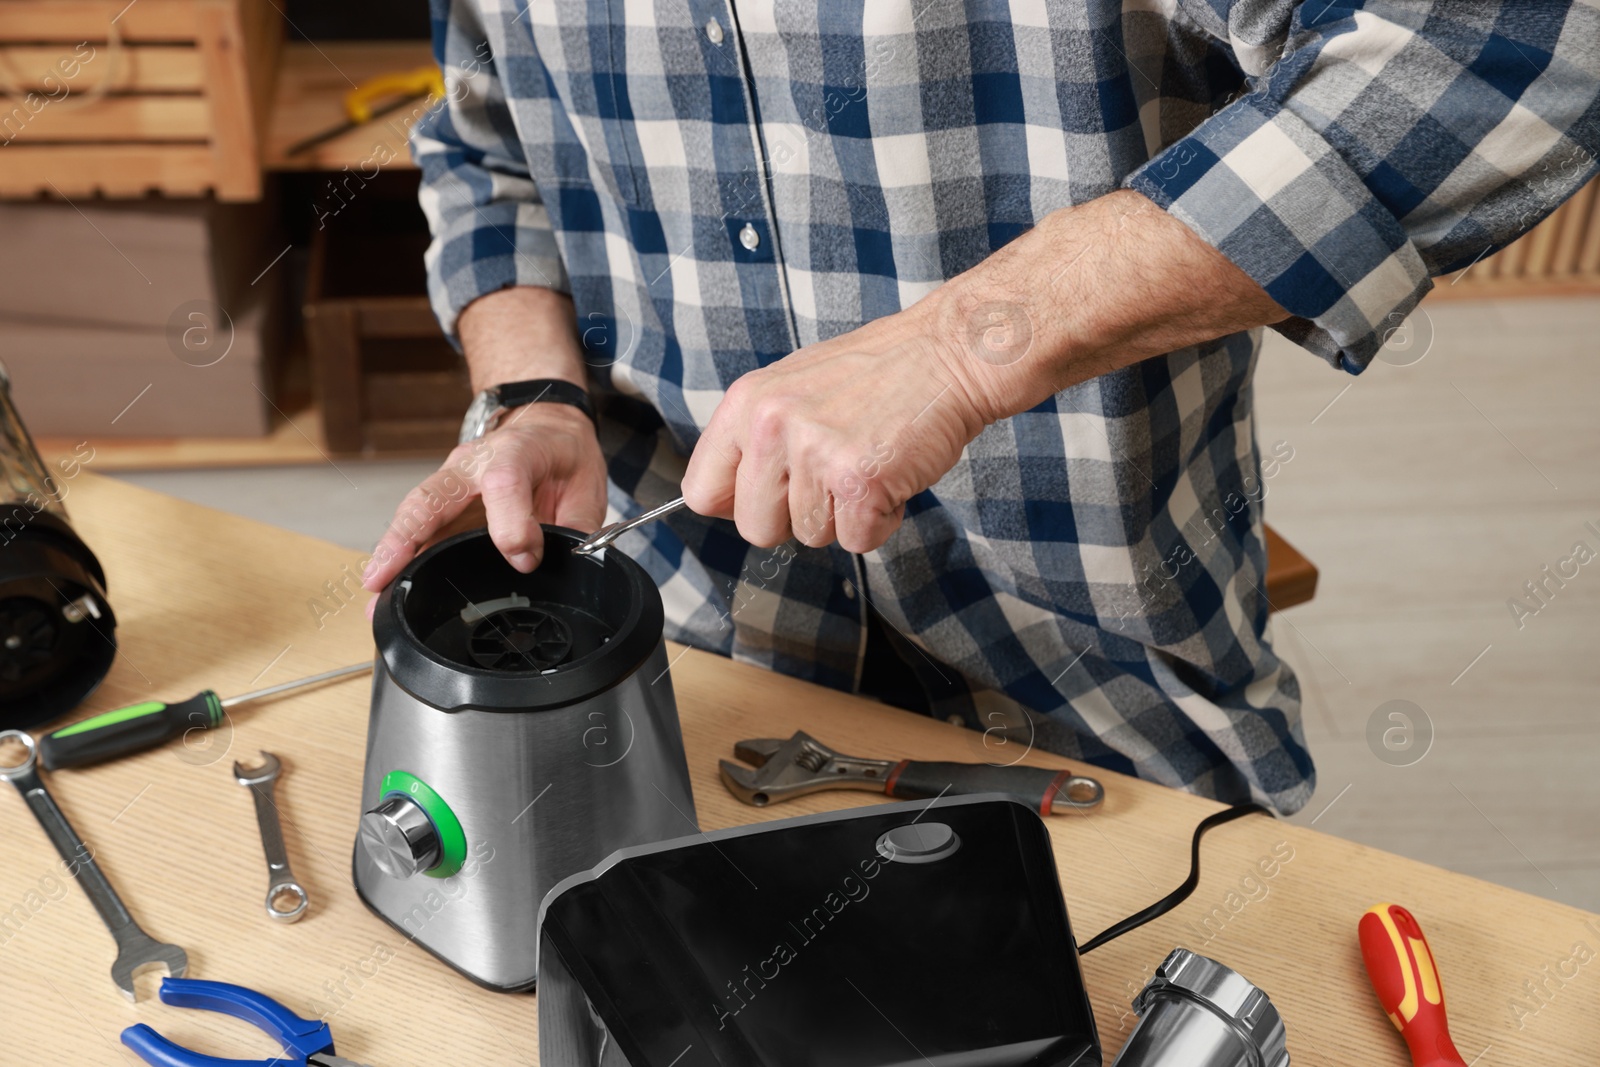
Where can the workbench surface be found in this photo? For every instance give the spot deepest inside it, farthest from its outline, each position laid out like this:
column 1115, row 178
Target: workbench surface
column 205, row 599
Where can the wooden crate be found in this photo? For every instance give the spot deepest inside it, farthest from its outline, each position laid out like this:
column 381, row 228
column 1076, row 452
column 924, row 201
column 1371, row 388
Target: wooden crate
column 121, row 99
column 1559, row 256
column 383, row 376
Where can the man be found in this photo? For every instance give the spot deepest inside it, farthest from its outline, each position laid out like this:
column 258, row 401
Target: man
column 944, row 316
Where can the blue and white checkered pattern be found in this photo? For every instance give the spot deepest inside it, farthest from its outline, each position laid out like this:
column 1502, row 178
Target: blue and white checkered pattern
column 718, row 184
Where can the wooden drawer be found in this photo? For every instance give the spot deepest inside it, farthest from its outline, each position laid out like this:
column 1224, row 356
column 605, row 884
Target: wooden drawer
column 120, row 99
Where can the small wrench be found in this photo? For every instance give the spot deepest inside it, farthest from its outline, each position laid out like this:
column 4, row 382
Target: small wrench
column 280, row 878
column 136, row 950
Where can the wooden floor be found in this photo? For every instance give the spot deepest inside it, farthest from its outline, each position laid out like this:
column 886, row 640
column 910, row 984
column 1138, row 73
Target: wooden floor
column 1427, row 495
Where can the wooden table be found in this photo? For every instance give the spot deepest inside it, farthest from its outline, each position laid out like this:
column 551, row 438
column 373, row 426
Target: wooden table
column 208, row 599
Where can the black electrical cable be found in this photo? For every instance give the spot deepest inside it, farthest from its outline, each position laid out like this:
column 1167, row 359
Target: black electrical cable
column 1178, row 895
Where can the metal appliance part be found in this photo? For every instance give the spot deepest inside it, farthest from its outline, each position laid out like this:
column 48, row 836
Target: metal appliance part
column 1194, row 1012
column 523, row 727
column 400, row 838
column 281, row 881
column 136, row 950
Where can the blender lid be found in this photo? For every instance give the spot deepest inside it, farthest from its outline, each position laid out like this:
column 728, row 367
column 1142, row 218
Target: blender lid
column 460, row 627
column 823, row 939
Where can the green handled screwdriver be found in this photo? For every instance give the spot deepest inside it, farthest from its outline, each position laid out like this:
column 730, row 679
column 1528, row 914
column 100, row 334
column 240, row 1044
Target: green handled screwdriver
column 140, row 726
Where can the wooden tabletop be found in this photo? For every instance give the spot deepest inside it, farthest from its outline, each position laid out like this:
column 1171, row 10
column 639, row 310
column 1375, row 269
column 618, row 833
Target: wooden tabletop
column 205, row 599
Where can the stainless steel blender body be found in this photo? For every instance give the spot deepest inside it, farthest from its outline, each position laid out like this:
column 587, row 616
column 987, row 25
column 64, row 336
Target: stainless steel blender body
column 514, row 749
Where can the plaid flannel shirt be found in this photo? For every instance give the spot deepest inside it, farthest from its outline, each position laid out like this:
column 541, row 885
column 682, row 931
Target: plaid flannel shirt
column 719, row 183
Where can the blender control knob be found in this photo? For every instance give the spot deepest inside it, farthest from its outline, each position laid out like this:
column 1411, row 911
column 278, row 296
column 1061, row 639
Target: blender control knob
column 400, row 838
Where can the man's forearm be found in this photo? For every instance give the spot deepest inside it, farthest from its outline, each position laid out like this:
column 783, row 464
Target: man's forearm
column 1088, row 290
column 520, row 333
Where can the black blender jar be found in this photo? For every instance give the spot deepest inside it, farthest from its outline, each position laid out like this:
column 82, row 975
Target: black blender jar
column 57, row 632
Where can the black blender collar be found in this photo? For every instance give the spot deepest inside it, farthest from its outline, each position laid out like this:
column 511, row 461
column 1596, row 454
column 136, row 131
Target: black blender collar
column 461, row 628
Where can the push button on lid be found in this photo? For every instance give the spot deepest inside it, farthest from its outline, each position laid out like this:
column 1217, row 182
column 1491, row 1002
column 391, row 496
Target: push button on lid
column 918, row 842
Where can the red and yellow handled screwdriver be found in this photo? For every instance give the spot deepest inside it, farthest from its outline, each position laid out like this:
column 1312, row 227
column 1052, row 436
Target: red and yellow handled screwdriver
column 1400, row 964
column 137, row 727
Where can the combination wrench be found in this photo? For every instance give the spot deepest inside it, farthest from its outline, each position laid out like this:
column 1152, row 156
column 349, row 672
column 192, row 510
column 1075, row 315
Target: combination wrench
column 280, row 879
column 136, row 950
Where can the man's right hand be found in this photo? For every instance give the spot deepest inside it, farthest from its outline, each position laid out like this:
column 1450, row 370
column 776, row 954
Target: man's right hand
column 541, row 464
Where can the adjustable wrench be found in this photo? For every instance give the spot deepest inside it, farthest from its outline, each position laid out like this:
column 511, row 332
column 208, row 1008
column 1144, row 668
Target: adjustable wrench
column 280, row 879
column 136, row 950
column 800, row 765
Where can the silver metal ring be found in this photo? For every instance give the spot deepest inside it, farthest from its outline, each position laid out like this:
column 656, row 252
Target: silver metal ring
column 12, row 773
column 1081, row 792
column 293, row 913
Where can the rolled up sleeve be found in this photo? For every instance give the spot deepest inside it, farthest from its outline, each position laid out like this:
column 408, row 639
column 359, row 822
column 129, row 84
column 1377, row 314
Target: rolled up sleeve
column 1379, row 147
column 490, row 230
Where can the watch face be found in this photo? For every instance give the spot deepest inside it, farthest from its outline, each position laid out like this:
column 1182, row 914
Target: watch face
column 480, row 416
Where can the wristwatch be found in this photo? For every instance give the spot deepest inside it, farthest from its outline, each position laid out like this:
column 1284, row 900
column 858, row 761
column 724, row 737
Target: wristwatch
column 490, row 405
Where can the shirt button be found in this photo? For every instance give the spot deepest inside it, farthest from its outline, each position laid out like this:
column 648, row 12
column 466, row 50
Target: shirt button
column 849, row 590
column 714, row 31
column 749, row 237
column 955, row 718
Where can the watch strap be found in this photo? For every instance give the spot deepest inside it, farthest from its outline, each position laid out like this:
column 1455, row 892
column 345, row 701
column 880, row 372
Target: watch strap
column 546, row 391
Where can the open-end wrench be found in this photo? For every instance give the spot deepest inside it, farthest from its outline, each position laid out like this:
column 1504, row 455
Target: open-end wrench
column 136, row 950
column 280, row 879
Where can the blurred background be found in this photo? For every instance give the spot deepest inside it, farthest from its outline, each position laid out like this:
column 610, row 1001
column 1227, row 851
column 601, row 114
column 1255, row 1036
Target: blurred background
column 203, row 303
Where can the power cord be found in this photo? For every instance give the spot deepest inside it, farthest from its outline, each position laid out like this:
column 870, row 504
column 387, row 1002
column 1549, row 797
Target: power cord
column 1180, row 894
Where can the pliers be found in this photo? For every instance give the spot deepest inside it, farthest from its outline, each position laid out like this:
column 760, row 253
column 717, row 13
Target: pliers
column 306, row 1042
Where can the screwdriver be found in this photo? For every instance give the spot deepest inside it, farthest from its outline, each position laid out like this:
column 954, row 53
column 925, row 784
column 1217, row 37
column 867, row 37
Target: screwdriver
column 140, row 726
column 422, row 83
column 1400, row 964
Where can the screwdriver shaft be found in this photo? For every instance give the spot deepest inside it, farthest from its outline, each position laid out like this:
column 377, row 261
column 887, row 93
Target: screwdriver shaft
column 284, row 687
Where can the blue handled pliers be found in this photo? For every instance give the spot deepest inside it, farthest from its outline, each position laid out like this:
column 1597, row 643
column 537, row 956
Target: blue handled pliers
column 306, row 1042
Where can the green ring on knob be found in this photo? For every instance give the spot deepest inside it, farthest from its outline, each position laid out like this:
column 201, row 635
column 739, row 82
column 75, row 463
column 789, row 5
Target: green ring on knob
column 452, row 839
